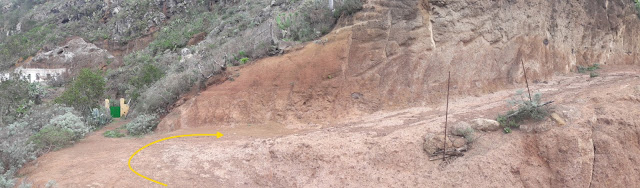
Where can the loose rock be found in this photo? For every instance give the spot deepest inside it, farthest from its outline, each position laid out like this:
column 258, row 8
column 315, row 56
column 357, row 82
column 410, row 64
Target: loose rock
column 558, row 119
column 458, row 141
column 433, row 143
column 485, row 124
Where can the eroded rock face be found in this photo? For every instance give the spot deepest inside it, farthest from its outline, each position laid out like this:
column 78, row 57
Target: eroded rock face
column 397, row 54
column 569, row 154
column 405, row 48
column 74, row 55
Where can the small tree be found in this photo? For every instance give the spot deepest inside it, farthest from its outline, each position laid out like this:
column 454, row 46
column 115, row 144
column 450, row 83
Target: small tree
column 85, row 91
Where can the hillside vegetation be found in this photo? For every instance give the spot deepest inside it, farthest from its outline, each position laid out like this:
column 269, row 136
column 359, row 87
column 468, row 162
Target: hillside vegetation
column 190, row 42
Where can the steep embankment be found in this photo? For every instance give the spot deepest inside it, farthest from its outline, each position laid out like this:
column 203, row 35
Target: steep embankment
column 396, row 54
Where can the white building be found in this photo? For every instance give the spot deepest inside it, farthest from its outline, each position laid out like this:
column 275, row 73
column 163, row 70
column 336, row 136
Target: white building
column 35, row 75
column 4, row 76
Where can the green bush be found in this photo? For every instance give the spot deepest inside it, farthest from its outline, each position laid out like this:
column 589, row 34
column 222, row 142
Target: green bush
column 14, row 104
column 6, row 179
column 113, row 134
column 523, row 109
column 244, row 60
column 591, row 68
column 467, row 133
column 147, row 76
column 12, row 98
column 43, row 128
column 165, row 92
column 284, row 21
column 347, row 7
column 85, row 92
column 15, row 149
column 311, row 20
column 98, row 118
column 140, row 71
column 41, row 115
column 71, row 122
column 507, row 130
column 52, row 137
column 637, row 5
column 177, row 33
column 142, row 124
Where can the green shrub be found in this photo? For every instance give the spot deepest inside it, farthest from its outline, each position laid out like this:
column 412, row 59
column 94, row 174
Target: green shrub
column 98, row 117
column 244, row 60
column 311, row 20
column 113, row 134
column 85, row 92
column 467, row 133
column 165, row 92
column 523, row 109
column 347, row 7
column 14, row 104
column 6, row 179
column 177, row 33
column 52, row 137
column 637, row 5
column 147, row 76
column 41, row 115
column 507, row 130
column 591, row 68
column 593, row 74
column 43, row 128
column 12, row 98
column 142, row 124
column 71, row 122
column 284, row 21
column 15, row 150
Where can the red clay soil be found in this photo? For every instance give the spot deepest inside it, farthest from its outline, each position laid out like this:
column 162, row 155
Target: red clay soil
column 301, row 84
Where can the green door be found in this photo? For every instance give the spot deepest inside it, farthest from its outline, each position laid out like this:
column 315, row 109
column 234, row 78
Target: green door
column 115, row 111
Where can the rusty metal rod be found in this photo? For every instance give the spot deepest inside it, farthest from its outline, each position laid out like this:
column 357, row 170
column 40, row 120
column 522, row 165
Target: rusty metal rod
column 525, row 80
column 446, row 119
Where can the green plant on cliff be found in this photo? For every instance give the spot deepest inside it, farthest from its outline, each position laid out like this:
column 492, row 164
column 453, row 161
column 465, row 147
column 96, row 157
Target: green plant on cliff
column 347, row 7
column 637, row 5
column 523, row 109
column 284, row 20
column 177, row 33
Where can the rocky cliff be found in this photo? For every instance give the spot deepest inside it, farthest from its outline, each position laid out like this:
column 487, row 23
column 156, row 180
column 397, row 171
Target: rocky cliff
column 396, row 54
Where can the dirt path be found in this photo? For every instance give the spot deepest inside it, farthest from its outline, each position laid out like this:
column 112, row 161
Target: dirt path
column 383, row 149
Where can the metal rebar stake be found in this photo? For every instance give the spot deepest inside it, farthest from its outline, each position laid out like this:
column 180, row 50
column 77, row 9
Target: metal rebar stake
column 446, row 119
column 525, row 80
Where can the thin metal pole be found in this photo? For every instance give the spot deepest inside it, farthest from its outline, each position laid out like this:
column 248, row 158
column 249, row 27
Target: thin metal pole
column 525, row 80
column 446, row 119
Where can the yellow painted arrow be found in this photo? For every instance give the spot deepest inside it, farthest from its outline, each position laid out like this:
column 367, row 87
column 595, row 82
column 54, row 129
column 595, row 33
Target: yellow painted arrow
column 217, row 135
